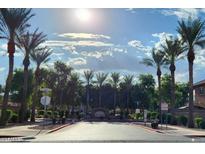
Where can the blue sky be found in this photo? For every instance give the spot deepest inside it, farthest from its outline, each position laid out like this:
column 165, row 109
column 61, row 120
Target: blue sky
column 108, row 39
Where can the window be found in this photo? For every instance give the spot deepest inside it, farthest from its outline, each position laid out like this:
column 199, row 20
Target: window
column 201, row 90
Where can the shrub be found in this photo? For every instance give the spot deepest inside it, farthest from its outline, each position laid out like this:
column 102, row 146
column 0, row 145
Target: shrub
column 203, row 124
column 173, row 120
column 14, row 118
column 169, row 118
column 41, row 112
column 154, row 115
column 198, row 121
column 149, row 115
column 183, row 120
column 8, row 115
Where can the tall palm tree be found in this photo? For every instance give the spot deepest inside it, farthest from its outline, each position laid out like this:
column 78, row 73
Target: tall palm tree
column 192, row 34
column 157, row 60
column 128, row 81
column 173, row 50
column 39, row 56
column 115, row 79
column 88, row 75
column 27, row 43
column 101, row 77
column 13, row 22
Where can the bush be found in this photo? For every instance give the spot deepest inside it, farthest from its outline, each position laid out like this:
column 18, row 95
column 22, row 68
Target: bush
column 14, row 118
column 173, row 120
column 40, row 112
column 154, row 115
column 149, row 115
column 183, row 120
column 203, row 124
column 198, row 121
column 8, row 115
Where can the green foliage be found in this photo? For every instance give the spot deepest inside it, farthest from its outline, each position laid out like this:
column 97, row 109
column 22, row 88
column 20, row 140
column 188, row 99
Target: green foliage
column 8, row 115
column 17, row 85
column 154, row 115
column 14, row 118
column 198, row 121
column 183, row 120
column 203, row 124
column 173, row 120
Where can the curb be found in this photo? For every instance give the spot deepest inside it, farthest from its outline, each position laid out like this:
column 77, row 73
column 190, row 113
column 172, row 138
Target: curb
column 58, row 128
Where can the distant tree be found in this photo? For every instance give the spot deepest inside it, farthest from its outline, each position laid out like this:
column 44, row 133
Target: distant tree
column 88, row 75
column 128, row 83
column 39, row 56
column 115, row 79
column 27, row 43
column 157, row 60
column 101, row 78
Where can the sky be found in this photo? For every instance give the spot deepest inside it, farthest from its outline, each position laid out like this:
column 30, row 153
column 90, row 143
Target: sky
column 108, row 40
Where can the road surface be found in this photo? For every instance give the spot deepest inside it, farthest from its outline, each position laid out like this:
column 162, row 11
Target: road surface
column 109, row 132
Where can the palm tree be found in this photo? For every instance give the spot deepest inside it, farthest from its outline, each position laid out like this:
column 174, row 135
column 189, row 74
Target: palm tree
column 39, row 56
column 13, row 22
column 192, row 34
column 173, row 50
column 27, row 43
column 157, row 60
column 128, row 80
column 115, row 79
column 88, row 75
column 101, row 77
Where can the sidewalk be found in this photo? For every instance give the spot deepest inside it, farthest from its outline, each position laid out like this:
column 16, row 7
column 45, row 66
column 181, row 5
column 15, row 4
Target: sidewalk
column 175, row 130
column 30, row 129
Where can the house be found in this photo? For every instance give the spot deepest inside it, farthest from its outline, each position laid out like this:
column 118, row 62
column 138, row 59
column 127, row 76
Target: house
column 199, row 94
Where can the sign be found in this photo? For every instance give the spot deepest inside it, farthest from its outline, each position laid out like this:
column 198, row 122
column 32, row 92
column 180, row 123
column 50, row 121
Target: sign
column 46, row 90
column 45, row 100
column 137, row 111
column 145, row 115
column 164, row 107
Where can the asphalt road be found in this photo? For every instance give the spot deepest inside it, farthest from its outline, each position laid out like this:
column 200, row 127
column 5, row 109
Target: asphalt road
column 109, row 132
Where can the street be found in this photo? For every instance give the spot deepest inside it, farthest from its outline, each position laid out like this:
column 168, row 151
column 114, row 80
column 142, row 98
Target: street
column 110, row 132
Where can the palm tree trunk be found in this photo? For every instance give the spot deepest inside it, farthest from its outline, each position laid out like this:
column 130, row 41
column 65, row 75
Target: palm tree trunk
column 115, row 99
column 191, row 58
column 11, row 51
column 100, row 97
column 172, row 69
column 159, row 86
column 35, row 98
column 23, row 110
column 128, row 99
column 87, row 98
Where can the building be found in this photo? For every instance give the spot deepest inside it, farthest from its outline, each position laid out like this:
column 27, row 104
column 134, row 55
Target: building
column 199, row 94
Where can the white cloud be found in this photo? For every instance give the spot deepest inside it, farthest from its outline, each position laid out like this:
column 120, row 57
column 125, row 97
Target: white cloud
column 182, row 13
column 96, row 54
column 162, row 38
column 139, row 46
column 84, row 36
column 2, row 69
column 56, row 43
column 76, row 61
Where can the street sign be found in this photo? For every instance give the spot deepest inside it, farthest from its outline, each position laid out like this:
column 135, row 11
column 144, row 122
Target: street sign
column 137, row 111
column 45, row 100
column 45, row 90
column 145, row 115
column 164, row 107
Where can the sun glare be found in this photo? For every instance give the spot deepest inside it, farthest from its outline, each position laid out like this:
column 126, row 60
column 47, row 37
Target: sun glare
column 83, row 15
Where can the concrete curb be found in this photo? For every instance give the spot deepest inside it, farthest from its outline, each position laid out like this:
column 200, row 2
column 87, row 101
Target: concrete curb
column 58, row 128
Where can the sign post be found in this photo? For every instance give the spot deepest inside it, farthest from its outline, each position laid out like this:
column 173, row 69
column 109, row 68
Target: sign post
column 45, row 100
column 145, row 116
column 164, row 108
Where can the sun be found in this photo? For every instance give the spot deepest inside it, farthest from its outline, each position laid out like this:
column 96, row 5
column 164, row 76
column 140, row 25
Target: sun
column 83, row 15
